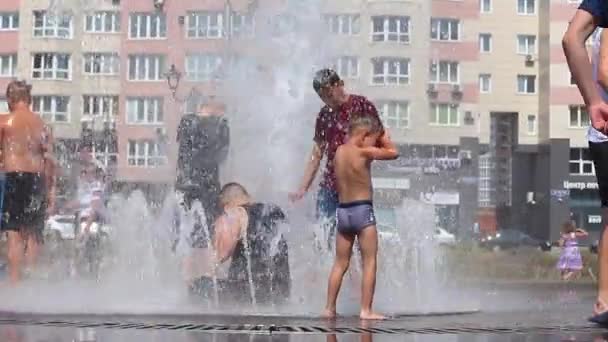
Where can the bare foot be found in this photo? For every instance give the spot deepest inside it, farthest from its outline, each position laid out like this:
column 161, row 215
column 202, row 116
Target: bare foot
column 327, row 313
column 600, row 306
column 371, row 316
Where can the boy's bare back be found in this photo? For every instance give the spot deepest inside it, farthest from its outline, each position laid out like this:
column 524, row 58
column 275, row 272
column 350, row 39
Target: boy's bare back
column 353, row 174
column 24, row 142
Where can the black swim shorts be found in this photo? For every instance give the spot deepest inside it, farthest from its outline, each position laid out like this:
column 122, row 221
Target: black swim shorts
column 599, row 154
column 24, row 204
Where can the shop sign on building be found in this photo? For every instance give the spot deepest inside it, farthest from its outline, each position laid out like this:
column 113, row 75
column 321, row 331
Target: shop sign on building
column 568, row 185
column 594, row 219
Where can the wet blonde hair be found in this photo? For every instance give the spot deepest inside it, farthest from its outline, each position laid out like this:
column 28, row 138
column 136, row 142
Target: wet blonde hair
column 370, row 123
column 231, row 192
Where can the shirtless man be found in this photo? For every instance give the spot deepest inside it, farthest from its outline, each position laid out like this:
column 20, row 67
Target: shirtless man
column 26, row 145
column 355, row 214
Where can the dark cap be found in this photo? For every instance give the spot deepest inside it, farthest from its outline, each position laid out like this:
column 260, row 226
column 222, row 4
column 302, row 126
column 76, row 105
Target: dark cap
column 325, row 78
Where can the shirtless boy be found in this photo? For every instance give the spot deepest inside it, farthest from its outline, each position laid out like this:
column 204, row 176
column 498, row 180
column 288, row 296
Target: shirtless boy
column 27, row 160
column 355, row 215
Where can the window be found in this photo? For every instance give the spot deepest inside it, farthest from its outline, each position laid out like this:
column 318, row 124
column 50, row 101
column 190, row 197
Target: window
column 102, row 22
column 52, row 108
column 8, row 65
column 444, row 72
column 531, row 124
column 579, row 118
column 145, row 153
column 485, row 42
column 9, row 21
column 52, row 26
column 485, row 6
column 581, row 163
column 51, row 66
column 486, row 167
column 445, row 29
column 145, row 110
column 101, row 64
column 391, row 29
column 526, row 84
column 485, row 83
column 202, row 67
column 526, row 44
column 526, row 7
column 395, row 114
column 390, row 71
column 106, row 154
column 347, row 66
column 105, row 106
column 146, row 67
column 242, row 25
column 444, row 114
column 205, row 25
column 147, row 26
column 343, row 24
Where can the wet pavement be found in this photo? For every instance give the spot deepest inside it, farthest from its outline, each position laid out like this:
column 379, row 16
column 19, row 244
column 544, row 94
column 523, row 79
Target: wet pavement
column 507, row 312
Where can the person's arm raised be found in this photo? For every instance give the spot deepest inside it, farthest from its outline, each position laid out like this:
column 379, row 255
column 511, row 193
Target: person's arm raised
column 229, row 229
column 386, row 149
column 580, row 29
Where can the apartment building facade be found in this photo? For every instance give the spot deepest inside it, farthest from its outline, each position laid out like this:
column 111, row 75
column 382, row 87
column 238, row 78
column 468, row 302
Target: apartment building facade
column 476, row 92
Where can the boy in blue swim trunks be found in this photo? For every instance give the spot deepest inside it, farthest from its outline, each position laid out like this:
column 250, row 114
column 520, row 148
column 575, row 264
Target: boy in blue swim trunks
column 355, row 214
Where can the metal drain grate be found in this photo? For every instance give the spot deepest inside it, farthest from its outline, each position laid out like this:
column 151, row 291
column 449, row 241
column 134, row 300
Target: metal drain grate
column 292, row 329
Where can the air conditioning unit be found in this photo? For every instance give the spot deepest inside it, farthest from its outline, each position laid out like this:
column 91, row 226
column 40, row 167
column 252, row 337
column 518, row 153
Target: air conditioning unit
column 161, row 131
column 465, row 155
column 529, row 58
column 468, row 118
column 116, row 2
column 431, row 90
column 456, row 88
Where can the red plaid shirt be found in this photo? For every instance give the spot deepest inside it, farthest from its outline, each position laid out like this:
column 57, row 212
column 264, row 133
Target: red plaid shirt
column 331, row 130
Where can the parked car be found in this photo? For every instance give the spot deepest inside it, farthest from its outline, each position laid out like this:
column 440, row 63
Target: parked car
column 443, row 237
column 62, row 227
column 512, row 238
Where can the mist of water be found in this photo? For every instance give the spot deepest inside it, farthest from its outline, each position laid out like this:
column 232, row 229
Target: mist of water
column 271, row 108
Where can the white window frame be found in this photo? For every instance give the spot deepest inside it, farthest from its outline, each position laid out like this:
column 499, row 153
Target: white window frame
column 151, row 156
column 106, row 157
column 348, row 67
column 526, row 7
column 150, row 61
column 349, row 24
column 103, row 16
column 152, row 107
column 435, row 72
column 482, row 8
column 580, row 162
column 245, row 26
column 482, row 78
column 532, row 120
column 392, row 116
column 13, row 21
column 51, row 115
column 105, row 60
column 203, row 67
column 434, row 119
column 400, row 78
column 436, row 29
column 194, row 29
column 54, row 69
column 11, row 61
column 582, row 117
column 145, row 19
column 486, row 166
column 525, row 39
column 386, row 35
column 107, row 106
column 481, row 42
column 527, row 85
column 51, row 25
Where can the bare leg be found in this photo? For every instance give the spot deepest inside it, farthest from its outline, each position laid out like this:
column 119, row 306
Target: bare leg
column 601, row 304
column 368, row 240
column 344, row 249
column 33, row 250
column 15, row 256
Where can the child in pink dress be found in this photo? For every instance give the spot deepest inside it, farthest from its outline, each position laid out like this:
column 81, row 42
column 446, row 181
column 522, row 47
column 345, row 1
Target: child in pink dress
column 570, row 260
